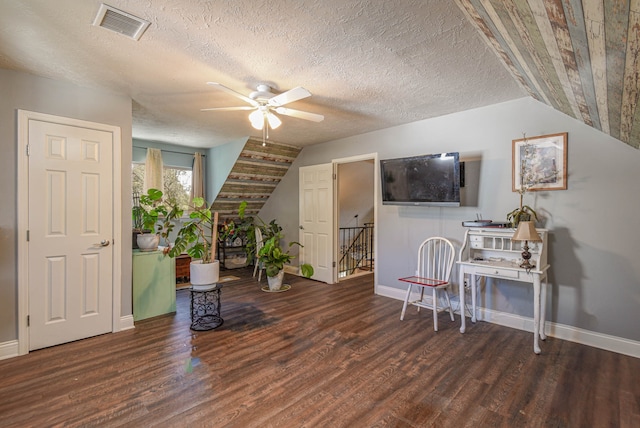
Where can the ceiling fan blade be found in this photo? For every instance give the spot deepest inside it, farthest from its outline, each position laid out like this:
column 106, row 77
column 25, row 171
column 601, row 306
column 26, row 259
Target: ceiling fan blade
column 228, row 108
column 234, row 93
column 289, row 96
column 300, row 114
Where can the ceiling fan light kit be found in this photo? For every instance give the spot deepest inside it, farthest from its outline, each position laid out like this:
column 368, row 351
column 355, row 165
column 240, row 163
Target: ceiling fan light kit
column 259, row 117
column 264, row 102
column 273, row 120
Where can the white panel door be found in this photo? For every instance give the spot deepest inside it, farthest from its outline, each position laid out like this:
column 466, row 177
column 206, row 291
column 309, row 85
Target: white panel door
column 70, row 233
column 316, row 220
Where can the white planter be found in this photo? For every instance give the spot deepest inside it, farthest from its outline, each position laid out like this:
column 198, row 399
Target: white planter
column 148, row 241
column 204, row 274
column 275, row 282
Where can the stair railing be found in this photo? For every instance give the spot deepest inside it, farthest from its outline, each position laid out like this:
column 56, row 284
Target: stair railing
column 356, row 249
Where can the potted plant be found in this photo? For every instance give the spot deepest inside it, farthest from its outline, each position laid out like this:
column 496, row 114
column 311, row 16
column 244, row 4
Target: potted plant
column 146, row 215
column 523, row 213
column 528, row 180
column 198, row 237
column 246, row 226
column 274, row 258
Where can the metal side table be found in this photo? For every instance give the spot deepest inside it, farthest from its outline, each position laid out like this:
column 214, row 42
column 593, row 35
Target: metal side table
column 205, row 307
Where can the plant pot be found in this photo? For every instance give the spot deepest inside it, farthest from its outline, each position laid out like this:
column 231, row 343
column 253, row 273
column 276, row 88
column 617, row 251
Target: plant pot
column 204, row 273
column 275, row 282
column 148, row 241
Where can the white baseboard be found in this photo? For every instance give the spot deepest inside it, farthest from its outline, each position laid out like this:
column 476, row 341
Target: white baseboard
column 8, row 349
column 293, row 270
column 126, row 322
column 559, row 331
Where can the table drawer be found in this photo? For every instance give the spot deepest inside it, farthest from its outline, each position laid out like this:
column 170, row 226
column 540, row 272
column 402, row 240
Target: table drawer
column 492, row 271
column 476, row 242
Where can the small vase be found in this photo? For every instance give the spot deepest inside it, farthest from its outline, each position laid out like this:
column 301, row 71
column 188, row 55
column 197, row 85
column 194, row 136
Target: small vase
column 148, row 241
column 275, row 282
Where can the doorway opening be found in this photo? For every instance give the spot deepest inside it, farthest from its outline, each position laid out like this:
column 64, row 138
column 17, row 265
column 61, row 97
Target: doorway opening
column 355, row 216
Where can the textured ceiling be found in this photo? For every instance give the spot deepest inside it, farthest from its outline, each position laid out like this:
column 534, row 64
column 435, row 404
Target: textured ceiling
column 369, row 64
column 580, row 57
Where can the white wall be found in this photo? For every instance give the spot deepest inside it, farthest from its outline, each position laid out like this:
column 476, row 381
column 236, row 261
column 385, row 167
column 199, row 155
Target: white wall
column 28, row 92
column 595, row 275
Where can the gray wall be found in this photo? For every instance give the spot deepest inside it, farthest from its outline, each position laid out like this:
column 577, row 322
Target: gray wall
column 355, row 193
column 28, row 92
column 594, row 273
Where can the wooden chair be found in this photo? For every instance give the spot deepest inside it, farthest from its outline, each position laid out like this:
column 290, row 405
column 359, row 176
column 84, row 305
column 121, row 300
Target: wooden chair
column 435, row 261
column 258, row 265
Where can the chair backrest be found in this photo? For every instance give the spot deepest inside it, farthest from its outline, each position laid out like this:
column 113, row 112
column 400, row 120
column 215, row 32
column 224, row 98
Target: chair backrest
column 435, row 259
column 259, row 243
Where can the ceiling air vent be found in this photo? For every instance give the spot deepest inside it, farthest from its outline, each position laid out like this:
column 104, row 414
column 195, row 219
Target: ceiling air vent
column 121, row 22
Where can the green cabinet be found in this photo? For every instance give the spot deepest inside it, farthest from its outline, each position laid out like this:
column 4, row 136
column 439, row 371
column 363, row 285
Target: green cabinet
column 154, row 284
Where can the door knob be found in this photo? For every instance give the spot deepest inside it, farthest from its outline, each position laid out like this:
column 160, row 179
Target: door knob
column 103, row 243
column 301, row 227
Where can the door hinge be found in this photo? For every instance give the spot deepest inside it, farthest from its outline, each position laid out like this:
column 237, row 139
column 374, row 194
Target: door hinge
column 28, row 320
column 334, row 264
column 28, row 150
column 27, row 236
column 335, row 175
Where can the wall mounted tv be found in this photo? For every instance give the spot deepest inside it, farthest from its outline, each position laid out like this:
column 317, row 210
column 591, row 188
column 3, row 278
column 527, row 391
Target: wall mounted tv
column 422, row 180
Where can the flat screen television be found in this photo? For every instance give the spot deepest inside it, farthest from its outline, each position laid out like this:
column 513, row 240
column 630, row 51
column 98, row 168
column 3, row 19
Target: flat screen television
column 422, row 180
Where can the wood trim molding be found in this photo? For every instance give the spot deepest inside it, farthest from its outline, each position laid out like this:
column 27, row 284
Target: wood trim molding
column 8, row 349
column 559, row 331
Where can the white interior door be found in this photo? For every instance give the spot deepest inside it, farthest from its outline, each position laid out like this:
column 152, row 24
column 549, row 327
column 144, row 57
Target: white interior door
column 70, row 224
column 316, row 220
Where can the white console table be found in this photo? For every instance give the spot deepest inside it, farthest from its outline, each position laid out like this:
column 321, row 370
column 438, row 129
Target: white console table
column 490, row 252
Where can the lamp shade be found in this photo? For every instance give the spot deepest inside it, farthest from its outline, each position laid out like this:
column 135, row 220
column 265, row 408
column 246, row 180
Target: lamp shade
column 257, row 119
column 526, row 232
column 273, row 120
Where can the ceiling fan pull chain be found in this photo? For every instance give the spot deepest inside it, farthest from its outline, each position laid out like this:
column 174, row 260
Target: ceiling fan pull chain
column 264, row 132
column 266, row 125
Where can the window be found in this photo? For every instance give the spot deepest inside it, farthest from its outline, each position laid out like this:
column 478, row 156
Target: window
column 177, row 183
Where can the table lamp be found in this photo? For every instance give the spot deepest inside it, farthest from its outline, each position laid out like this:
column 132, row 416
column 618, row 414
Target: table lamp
column 526, row 232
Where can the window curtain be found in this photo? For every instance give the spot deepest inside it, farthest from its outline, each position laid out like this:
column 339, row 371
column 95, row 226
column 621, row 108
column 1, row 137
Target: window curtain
column 153, row 170
column 197, row 178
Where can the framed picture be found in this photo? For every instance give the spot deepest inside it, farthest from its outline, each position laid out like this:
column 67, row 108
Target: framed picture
column 539, row 163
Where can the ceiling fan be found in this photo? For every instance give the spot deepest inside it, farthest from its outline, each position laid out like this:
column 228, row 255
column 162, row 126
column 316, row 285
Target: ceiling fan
column 265, row 103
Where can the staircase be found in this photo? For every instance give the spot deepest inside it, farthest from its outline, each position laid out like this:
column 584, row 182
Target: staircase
column 254, row 176
column 356, row 249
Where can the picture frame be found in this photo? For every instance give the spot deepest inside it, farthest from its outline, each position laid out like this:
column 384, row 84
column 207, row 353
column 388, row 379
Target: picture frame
column 539, row 163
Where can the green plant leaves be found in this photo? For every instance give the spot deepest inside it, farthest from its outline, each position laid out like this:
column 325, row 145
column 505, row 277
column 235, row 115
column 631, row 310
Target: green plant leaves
column 306, row 270
column 521, row 214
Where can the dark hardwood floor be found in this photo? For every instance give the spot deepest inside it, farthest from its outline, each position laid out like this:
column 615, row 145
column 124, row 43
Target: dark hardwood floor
column 318, row 356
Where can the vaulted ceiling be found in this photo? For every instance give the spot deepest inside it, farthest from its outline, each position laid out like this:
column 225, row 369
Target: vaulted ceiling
column 370, row 64
column 579, row 57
